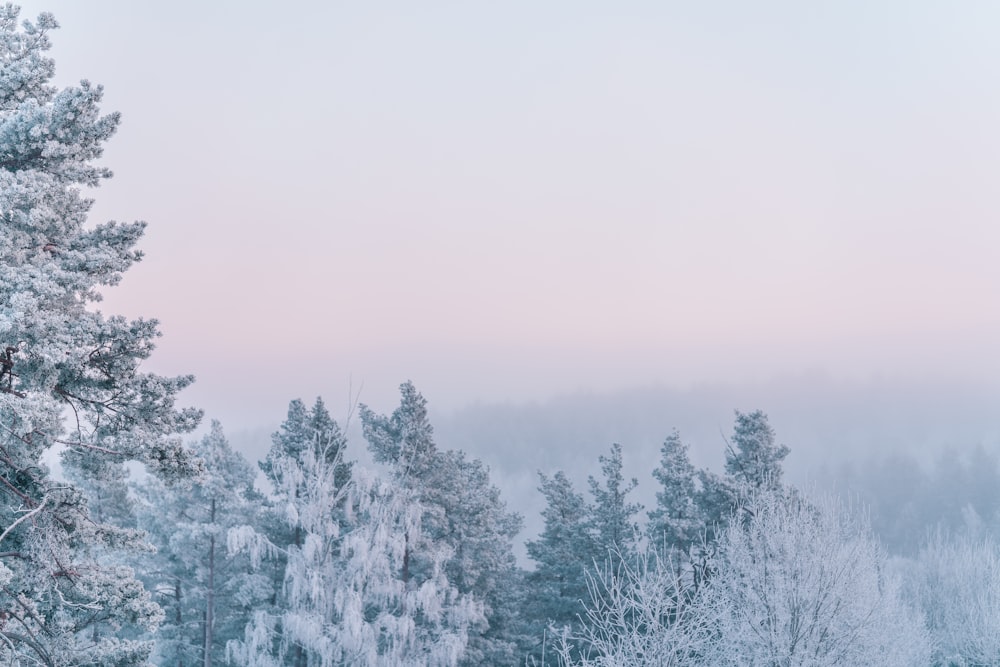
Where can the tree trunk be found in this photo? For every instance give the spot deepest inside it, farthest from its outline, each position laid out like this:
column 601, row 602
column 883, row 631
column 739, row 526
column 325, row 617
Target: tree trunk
column 210, row 598
column 406, row 560
column 177, row 614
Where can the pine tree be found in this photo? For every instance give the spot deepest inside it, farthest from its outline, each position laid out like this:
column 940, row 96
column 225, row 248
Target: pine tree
column 313, row 431
column 403, row 440
column 676, row 524
column 612, row 524
column 70, row 377
column 557, row 587
column 207, row 594
column 479, row 530
column 304, row 429
column 753, row 459
column 462, row 511
column 309, row 445
column 753, row 464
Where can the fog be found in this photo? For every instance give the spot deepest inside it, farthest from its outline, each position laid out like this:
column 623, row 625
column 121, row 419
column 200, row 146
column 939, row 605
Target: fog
column 837, row 431
column 570, row 224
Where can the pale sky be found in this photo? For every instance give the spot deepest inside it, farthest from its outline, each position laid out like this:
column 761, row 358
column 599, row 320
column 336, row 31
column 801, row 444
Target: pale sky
column 512, row 200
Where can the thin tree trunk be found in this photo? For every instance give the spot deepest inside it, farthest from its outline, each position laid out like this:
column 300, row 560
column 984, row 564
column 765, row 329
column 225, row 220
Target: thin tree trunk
column 406, row 560
column 177, row 614
column 210, row 600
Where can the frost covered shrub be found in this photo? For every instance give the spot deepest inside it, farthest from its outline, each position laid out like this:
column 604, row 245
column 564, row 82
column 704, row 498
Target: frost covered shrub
column 792, row 584
column 956, row 582
column 640, row 613
column 805, row 584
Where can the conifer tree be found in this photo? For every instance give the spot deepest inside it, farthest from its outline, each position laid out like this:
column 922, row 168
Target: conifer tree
column 753, row 464
column 70, row 377
column 206, row 593
column 557, row 587
column 348, row 595
column 612, row 516
column 753, row 459
column 462, row 511
column 676, row 524
column 308, row 446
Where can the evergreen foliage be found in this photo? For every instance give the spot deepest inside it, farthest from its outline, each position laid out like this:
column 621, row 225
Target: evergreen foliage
column 207, row 594
column 70, row 377
column 611, row 521
column 753, row 459
column 558, row 584
column 462, row 511
column 349, row 595
column 675, row 524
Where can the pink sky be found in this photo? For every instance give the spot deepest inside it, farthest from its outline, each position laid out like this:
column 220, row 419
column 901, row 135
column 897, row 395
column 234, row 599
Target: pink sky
column 513, row 200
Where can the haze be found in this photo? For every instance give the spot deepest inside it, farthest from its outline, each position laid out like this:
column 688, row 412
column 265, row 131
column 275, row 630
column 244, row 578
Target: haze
column 509, row 202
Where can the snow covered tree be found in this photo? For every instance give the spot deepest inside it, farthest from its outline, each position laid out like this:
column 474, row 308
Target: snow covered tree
column 462, row 511
column 638, row 613
column 206, row 593
column 557, row 587
column 305, row 429
column 753, row 463
column 70, row 377
column 612, row 523
column 803, row 584
column 307, row 451
column 405, row 439
column 795, row 584
column 956, row 583
column 676, row 524
column 479, row 531
column 753, row 459
column 348, row 593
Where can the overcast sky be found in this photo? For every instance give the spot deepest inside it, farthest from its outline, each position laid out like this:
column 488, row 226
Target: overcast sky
column 513, row 200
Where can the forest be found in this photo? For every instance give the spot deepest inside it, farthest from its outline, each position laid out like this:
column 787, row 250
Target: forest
column 148, row 546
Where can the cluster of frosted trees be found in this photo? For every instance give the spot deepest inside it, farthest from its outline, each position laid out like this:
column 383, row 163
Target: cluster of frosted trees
column 413, row 565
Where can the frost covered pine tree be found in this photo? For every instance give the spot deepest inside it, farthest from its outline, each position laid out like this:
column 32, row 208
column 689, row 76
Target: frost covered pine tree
column 612, row 516
column 676, row 524
column 303, row 429
column 557, row 587
column 206, row 593
column 463, row 512
column 753, row 458
column 70, row 377
column 753, row 463
column 307, row 451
